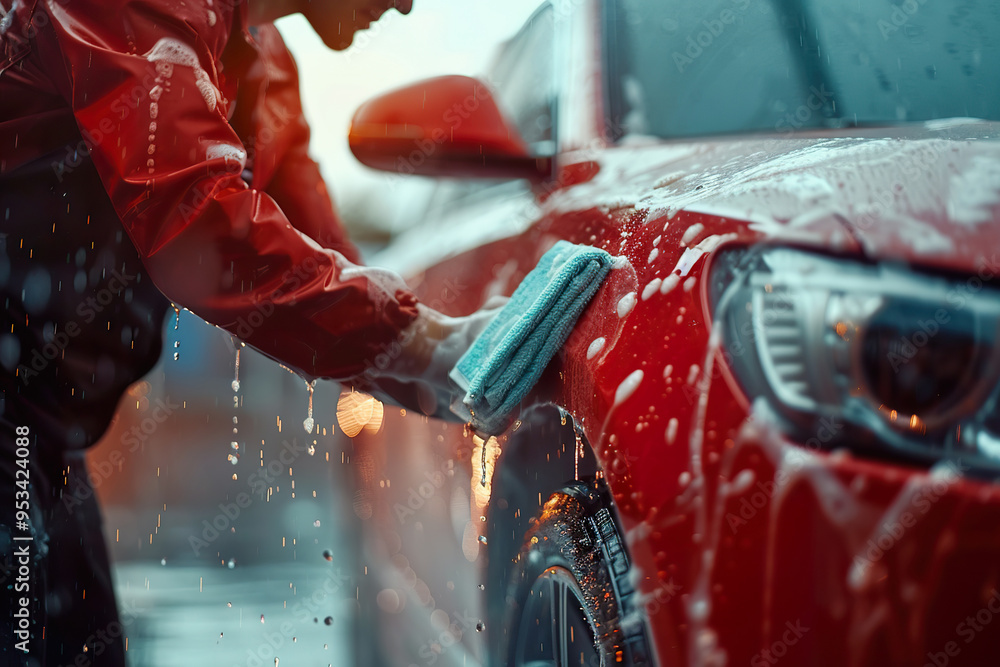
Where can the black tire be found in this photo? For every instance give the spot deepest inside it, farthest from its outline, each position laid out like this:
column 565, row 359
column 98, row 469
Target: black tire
column 569, row 590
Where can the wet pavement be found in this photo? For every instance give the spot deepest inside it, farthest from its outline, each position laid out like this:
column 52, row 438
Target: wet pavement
column 205, row 548
column 251, row 616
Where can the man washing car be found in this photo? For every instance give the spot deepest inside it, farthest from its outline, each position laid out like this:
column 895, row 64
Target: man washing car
column 154, row 152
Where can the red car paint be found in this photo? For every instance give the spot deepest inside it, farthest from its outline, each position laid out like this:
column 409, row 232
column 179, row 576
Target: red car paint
column 774, row 545
column 749, row 547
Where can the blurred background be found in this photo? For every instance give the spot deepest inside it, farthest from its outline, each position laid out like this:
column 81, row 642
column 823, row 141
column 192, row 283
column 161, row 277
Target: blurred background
column 239, row 536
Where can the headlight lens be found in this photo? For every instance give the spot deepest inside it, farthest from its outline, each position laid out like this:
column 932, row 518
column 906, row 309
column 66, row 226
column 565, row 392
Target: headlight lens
column 909, row 361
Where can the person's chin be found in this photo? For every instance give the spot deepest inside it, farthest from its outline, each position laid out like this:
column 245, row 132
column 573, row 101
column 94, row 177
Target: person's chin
column 339, row 42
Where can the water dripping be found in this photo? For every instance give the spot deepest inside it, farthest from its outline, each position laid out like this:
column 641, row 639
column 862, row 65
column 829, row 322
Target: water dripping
column 328, row 620
column 309, row 423
column 236, row 378
column 578, row 453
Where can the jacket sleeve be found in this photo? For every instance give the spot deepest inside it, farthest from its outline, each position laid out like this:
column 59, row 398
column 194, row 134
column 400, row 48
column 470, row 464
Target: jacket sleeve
column 147, row 84
column 280, row 143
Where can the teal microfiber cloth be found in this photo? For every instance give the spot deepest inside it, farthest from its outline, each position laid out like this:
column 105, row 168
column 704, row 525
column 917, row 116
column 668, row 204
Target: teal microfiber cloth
column 508, row 357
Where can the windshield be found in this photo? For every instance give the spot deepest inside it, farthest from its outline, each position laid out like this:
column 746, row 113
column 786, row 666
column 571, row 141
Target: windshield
column 718, row 66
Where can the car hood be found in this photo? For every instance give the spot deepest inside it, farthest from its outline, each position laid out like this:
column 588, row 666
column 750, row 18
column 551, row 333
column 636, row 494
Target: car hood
column 926, row 193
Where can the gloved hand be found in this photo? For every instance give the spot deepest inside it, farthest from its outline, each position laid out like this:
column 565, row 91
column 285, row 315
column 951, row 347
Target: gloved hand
column 432, row 345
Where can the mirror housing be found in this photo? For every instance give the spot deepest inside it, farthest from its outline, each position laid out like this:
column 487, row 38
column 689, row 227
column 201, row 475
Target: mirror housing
column 449, row 126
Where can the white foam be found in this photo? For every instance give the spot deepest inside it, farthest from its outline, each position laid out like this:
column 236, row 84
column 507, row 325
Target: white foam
column 672, row 434
column 626, row 304
column 595, row 347
column 175, row 52
column 692, row 233
column 651, row 288
column 628, row 386
column 669, row 283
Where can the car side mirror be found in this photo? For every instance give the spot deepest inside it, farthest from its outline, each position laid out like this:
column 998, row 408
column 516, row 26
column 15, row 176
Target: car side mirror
column 448, row 126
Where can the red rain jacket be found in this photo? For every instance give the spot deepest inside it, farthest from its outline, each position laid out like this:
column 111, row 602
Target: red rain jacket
column 194, row 125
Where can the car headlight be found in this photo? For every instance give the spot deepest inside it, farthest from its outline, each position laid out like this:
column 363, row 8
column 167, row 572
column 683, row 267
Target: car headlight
column 909, row 361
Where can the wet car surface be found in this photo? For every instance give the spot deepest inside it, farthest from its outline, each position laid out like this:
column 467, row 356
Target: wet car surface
column 769, row 437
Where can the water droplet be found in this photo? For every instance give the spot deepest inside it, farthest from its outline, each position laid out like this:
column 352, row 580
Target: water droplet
column 316, row 523
column 482, row 538
column 177, row 355
column 328, row 620
column 232, row 565
column 163, row 561
column 311, row 450
column 328, row 555
column 236, row 385
column 308, row 423
column 480, row 626
column 262, row 618
column 482, row 518
column 235, row 445
column 234, row 458
column 229, row 604
column 481, row 587
column 177, row 343
column 234, row 477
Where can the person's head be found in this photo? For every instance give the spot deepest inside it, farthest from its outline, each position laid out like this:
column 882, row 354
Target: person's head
column 335, row 21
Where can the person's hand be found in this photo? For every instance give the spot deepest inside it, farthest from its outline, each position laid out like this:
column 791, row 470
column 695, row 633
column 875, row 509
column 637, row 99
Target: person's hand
column 432, row 345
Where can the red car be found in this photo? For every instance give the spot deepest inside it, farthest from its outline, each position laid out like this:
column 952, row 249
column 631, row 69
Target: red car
column 774, row 433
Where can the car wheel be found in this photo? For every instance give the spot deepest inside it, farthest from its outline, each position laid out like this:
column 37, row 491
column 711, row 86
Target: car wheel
column 564, row 603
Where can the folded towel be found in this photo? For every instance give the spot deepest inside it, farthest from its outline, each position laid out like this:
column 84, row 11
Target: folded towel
column 508, row 357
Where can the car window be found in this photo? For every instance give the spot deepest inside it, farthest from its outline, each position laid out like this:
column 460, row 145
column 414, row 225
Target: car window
column 682, row 68
column 523, row 77
column 523, row 81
